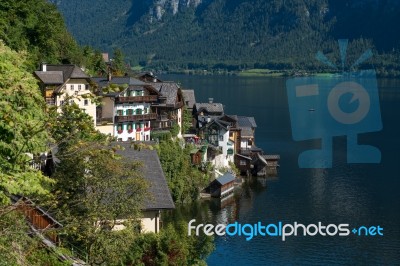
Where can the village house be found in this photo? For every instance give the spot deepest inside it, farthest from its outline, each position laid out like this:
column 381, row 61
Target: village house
column 169, row 107
column 220, row 148
column 125, row 111
column 66, row 84
column 160, row 196
column 203, row 113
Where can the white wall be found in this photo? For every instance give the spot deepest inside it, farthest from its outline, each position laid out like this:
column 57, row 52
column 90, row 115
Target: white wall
column 76, row 88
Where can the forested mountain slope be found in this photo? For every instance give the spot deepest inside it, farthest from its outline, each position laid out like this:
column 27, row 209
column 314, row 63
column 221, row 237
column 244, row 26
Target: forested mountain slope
column 170, row 34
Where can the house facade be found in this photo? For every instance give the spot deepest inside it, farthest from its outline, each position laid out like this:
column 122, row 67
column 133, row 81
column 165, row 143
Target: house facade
column 126, row 113
column 66, row 84
column 169, row 107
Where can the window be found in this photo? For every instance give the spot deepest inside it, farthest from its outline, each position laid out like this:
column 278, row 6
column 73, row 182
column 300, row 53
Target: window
column 130, row 138
column 130, row 111
column 250, row 142
column 221, row 137
column 145, row 110
column 230, row 151
column 61, row 102
column 86, row 102
column 147, row 137
column 79, row 87
column 119, row 139
column 120, row 112
column 139, row 111
column 72, row 87
column 243, row 162
column 87, row 87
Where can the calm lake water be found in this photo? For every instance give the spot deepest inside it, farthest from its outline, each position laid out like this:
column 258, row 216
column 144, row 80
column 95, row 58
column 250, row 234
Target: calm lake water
column 357, row 194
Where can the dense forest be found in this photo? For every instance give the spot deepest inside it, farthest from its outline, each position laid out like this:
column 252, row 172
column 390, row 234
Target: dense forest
column 238, row 34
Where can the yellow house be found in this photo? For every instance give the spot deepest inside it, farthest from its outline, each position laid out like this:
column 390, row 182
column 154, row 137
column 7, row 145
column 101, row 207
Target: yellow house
column 62, row 83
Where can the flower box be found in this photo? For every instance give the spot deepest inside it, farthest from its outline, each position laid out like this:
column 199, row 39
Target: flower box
column 120, row 131
column 146, row 128
column 130, row 131
column 138, row 129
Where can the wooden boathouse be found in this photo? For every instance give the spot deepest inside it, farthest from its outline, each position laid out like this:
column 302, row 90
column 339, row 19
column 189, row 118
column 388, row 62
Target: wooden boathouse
column 222, row 186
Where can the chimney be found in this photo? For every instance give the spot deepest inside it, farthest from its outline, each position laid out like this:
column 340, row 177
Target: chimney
column 210, row 100
column 43, row 67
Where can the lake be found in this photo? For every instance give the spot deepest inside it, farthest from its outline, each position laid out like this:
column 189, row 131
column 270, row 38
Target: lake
column 357, row 194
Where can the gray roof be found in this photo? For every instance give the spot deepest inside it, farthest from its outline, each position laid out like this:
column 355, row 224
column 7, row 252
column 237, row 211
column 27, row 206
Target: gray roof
column 210, row 107
column 189, row 96
column 244, row 121
column 104, row 82
column 59, row 74
column 168, row 90
column 50, row 77
column 246, row 132
column 153, row 173
column 68, row 71
column 225, row 179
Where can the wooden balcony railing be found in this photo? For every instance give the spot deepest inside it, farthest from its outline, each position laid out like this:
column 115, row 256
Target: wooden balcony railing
column 134, row 118
column 137, row 99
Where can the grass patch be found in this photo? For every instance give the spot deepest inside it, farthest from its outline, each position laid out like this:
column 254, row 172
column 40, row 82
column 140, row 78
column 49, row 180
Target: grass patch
column 256, row 72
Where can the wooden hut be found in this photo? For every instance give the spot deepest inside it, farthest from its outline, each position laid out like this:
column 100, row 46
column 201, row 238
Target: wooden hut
column 222, row 186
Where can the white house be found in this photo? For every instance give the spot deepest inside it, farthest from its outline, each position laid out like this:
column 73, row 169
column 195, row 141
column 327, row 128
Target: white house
column 126, row 114
column 62, row 83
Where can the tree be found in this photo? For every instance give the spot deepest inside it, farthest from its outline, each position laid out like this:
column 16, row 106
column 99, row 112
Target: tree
column 22, row 135
column 22, row 128
column 184, row 180
column 118, row 63
column 95, row 189
column 36, row 26
column 171, row 247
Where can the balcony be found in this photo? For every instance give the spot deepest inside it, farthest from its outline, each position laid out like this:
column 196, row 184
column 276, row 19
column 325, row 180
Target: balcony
column 136, row 99
column 134, row 118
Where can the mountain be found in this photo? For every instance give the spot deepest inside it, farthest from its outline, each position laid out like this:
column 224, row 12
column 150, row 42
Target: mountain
column 235, row 34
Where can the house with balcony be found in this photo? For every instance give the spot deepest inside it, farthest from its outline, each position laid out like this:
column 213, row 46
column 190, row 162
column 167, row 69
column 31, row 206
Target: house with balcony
column 126, row 112
column 66, row 84
column 221, row 149
column 170, row 104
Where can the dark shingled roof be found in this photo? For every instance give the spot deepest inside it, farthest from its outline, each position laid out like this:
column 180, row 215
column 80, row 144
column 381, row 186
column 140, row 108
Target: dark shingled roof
column 189, row 96
column 225, row 179
column 50, row 77
column 59, row 74
column 131, row 82
column 210, row 107
column 153, row 173
column 244, row 121
column 69, row 71
column 168, row 90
